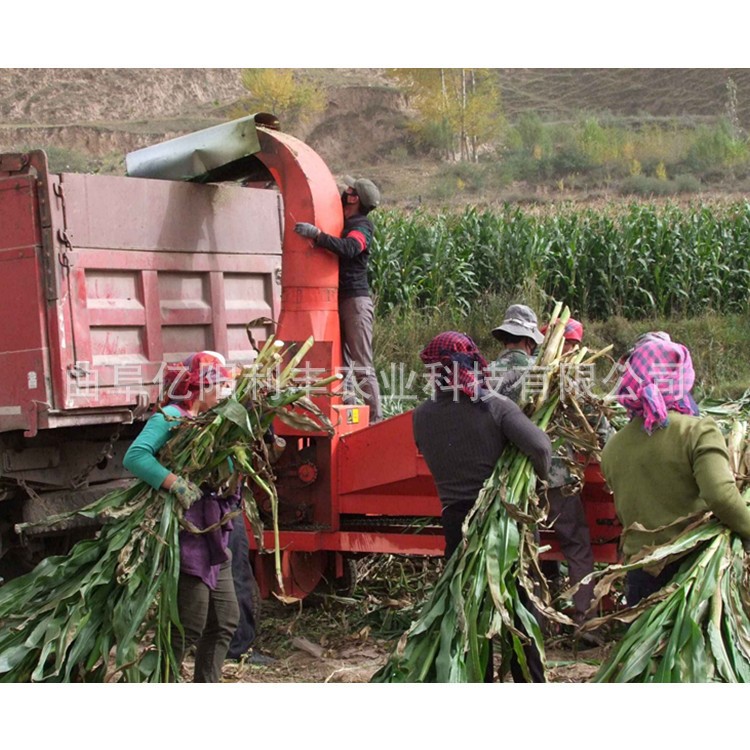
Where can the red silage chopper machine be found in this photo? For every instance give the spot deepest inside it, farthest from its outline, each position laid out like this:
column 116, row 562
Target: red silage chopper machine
column 365, row 488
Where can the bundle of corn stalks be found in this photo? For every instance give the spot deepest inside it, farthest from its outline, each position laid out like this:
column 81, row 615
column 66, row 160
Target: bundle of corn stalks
column 697, row 627
column 488, row 583
column 105, row 611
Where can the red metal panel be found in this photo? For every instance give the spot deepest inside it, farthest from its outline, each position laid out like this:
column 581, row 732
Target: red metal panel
column 358, row 542
column 154, row 345
column 121, row 260
column 173, row 274
column 23, row 343
column 349, row 418
column 310, row 289
column 392, row 441
column 219, row 309
column 127, row 213
column 23, row 319
column 382, row 504
column 604, row 526
column 82, row 334
column 25, row 384
column 19, row 225
column 309, row 275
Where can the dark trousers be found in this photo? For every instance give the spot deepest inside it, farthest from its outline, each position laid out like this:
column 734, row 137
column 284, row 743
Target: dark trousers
column 568, row 520
column 209, row 618
column 356, row 321
column 640, row 584
column 453, row 517
column 245, row 588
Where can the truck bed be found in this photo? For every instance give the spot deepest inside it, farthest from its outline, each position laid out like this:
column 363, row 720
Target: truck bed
column 103, row 279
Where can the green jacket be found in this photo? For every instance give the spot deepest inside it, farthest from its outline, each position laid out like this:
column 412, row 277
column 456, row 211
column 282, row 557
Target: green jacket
column 140, row 458
column 514, row 359
column 678, row 471
column 507, row 373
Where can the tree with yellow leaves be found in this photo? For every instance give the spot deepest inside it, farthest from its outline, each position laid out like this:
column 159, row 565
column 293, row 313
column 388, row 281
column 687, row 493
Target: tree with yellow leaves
column 459, row 109
column 283, row 93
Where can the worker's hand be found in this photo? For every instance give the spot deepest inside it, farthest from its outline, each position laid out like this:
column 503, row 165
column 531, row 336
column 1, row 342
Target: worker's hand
column 185, row 492
column 307, row 230
column 746, row 545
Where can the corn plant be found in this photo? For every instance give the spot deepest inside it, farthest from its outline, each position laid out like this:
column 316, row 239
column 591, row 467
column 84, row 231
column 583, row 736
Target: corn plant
column 636, row 261
column 486, row 587
column 697, row 627
column 105, row 611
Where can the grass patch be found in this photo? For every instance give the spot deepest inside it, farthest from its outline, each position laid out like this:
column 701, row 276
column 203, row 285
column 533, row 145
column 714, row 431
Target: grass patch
column 719, row 344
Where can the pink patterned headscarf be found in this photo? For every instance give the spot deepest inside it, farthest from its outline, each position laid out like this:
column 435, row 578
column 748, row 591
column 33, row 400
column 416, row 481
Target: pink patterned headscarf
column 658, row 378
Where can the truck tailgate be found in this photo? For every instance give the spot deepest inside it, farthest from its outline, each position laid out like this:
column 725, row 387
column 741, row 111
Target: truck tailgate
column 138, row 273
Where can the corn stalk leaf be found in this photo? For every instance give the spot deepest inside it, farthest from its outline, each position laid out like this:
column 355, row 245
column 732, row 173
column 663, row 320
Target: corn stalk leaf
column 106, row 610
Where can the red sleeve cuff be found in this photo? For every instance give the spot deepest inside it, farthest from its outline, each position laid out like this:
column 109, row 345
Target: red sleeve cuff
column 361, row 239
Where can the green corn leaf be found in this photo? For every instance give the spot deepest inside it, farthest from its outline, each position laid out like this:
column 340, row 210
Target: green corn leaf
column 106, row 610
column 477, row 597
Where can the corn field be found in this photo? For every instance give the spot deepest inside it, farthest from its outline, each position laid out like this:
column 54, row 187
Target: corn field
column 638, row 261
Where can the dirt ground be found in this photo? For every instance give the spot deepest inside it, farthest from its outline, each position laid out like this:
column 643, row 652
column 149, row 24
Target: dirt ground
column 353, row 660
column 346, row 640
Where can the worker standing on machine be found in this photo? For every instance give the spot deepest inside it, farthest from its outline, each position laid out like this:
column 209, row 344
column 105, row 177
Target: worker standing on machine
column 356, row 313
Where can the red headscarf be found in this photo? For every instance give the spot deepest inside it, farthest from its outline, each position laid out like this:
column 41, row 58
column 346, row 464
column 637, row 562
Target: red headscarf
column 573, row 330
column 463, row 364
column 185, row 381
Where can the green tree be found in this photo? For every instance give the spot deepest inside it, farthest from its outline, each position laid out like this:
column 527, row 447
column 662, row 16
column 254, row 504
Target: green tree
column 459, row 108
column 282, row 92
column 533, row 134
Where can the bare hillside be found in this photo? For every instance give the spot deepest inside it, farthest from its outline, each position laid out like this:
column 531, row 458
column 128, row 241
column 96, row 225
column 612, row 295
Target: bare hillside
column 108, row 112
column 90, row 118
column 629, row 92
column 65, row 96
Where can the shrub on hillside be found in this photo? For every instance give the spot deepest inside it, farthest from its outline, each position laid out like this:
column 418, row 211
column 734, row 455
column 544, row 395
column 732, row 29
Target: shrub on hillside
column 645, row 186
column 716, row 147
column 687, row 183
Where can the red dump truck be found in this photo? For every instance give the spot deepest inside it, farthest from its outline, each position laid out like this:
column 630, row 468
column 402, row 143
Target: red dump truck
column 105, row 279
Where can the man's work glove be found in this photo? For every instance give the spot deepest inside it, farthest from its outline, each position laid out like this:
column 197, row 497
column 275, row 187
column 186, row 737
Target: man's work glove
column 746, row 546
column 307, row 230
column 185, row 492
